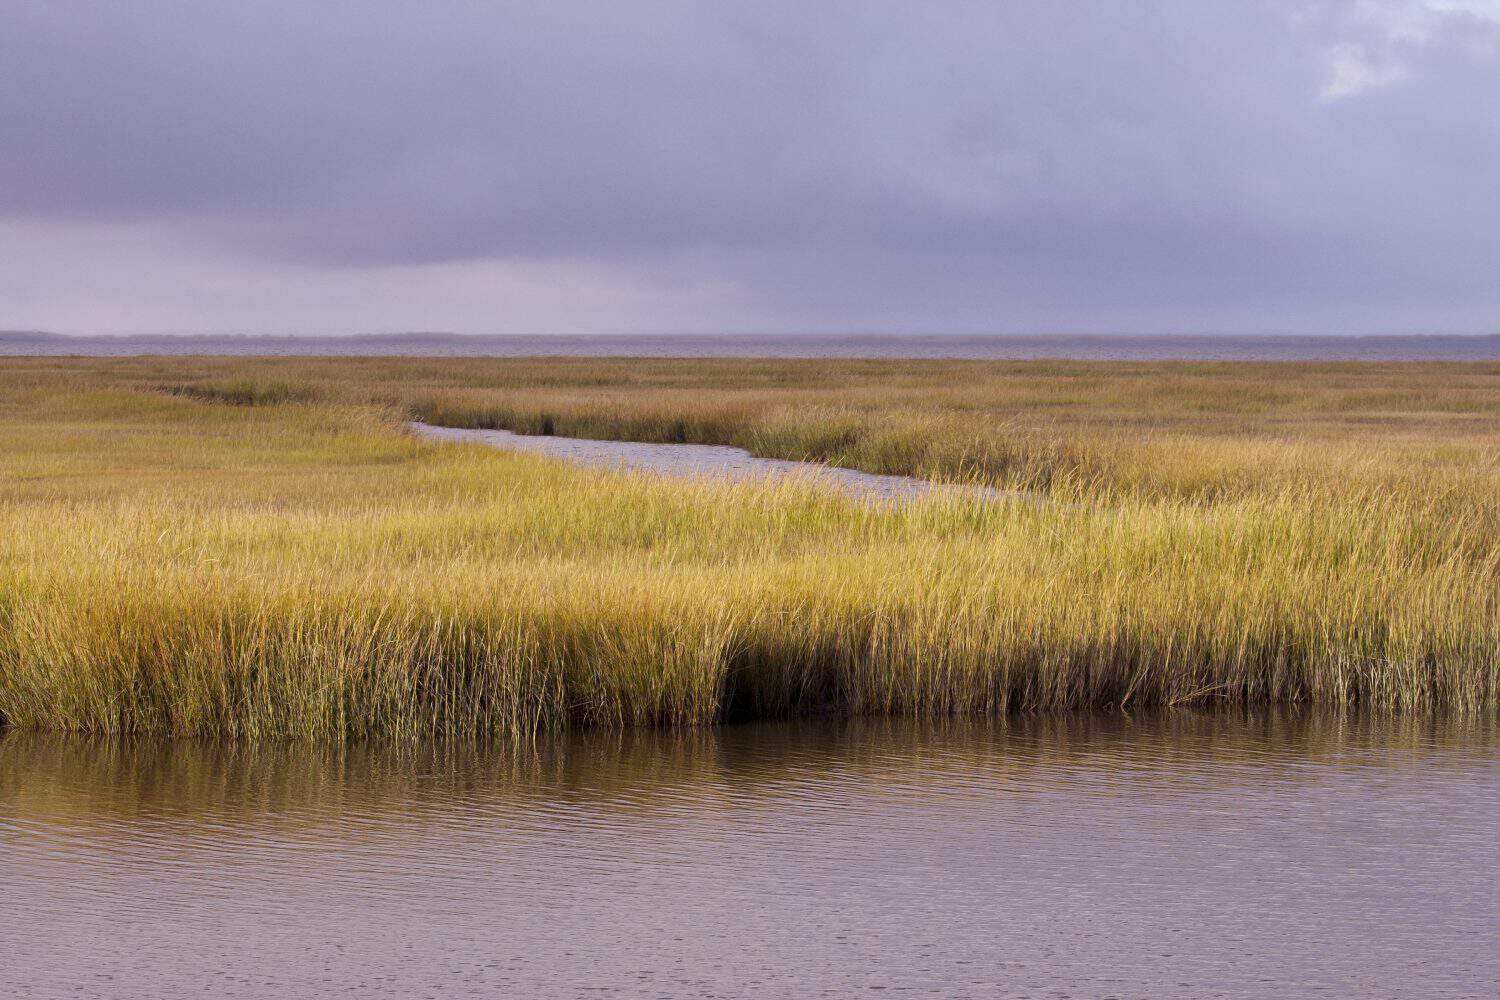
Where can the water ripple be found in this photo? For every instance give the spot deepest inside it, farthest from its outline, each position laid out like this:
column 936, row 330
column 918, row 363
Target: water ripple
column 1170, row 855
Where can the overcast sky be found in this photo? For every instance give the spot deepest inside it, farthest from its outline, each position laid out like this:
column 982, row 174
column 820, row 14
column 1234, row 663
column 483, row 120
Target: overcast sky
column 559, row 166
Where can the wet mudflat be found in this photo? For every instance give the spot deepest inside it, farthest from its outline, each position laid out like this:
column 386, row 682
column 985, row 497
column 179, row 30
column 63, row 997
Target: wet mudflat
column 1181, row 854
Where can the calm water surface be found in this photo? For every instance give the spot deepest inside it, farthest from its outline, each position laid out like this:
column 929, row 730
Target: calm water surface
column 716, row 461
column 1177, row 855
column 1137, row 348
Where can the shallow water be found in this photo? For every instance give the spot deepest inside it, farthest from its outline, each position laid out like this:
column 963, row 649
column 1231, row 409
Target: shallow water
column 1168, row 855
column 1104, row 348
column 705, row 460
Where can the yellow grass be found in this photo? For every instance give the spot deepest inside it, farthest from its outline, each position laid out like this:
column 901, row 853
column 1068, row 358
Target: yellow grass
column 253, row 547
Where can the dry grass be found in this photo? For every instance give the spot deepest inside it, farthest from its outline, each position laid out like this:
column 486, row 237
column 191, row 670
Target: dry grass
column 252, row 547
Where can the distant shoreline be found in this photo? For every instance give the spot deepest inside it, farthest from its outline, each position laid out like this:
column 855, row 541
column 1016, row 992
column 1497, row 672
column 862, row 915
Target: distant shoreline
column 1122, row 347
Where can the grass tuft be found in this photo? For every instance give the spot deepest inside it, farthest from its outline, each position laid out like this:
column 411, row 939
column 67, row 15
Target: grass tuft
column 245, row 392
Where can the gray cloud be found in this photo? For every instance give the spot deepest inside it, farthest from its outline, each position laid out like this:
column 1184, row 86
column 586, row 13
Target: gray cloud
column 1170, row 164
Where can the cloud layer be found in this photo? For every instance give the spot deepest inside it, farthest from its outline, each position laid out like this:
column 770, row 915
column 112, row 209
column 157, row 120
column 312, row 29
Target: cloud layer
column 1325, row 165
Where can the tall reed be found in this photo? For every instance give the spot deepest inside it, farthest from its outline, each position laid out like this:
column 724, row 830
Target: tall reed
column 297, row 566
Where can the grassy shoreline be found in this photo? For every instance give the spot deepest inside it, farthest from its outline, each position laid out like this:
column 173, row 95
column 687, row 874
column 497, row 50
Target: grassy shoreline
column 253, row 548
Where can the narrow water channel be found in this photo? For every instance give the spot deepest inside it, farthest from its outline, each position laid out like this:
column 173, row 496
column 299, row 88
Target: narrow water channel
column 705, row 460
column 1171, row 855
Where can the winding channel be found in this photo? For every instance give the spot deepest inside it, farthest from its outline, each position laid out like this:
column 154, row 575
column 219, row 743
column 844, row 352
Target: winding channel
column 691, row 461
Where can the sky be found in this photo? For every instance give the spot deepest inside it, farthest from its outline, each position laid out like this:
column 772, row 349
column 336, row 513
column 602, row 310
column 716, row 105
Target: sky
column 482, row 166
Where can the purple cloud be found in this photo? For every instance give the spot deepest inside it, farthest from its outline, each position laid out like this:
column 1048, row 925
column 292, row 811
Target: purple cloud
column 1172, row 164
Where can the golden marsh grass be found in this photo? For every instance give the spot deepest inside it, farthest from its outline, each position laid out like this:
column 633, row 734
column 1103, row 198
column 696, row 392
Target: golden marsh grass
column 255, row 548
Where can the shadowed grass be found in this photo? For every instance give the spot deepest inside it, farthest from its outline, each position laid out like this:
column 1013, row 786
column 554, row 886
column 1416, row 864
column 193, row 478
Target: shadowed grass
column 245, row 392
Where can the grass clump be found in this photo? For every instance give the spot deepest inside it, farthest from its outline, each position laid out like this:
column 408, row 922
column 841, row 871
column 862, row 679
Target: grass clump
column 310, row 570
column 245, row 392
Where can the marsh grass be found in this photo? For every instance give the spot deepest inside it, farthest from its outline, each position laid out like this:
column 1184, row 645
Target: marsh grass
column 245, row 392
column 182, row 562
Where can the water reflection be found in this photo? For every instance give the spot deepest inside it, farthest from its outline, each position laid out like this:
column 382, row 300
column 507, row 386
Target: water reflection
column 1174, row 854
